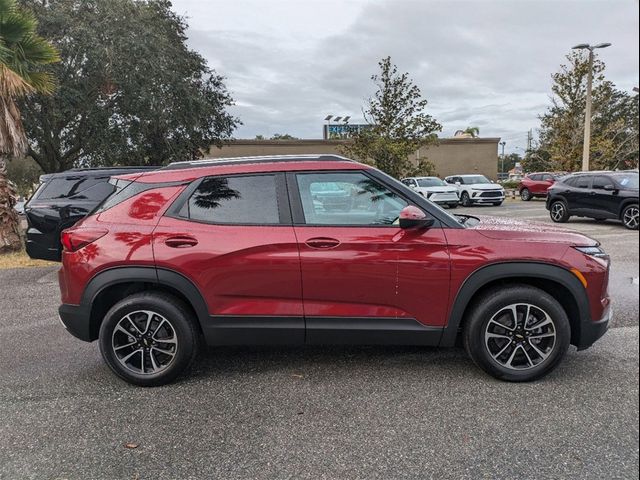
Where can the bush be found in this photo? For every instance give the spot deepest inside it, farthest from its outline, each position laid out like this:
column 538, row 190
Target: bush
column 510, row 184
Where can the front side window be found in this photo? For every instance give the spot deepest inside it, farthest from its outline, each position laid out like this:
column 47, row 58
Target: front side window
column 347, row 199
column 234, row 200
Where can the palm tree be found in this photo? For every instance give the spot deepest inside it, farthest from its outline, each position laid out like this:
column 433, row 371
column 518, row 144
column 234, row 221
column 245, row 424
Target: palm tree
column 22, row 55
column 469, row 132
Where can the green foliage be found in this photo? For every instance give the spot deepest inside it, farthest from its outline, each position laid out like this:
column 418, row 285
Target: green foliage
column 24, row 173
column 399, row 124
column 283, row 136
column 130, row 91
column 614, row 128
column 473, row 131
column 510, row 184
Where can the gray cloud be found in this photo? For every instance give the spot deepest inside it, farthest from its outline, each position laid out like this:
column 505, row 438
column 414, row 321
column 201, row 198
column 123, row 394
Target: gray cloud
column 481, row 63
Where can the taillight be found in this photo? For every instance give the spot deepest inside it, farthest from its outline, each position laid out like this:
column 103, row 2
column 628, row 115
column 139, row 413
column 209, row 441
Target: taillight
column 74, row 239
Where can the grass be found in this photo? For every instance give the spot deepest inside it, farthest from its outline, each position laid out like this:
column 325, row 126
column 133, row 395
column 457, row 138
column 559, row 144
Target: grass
column 21, row 260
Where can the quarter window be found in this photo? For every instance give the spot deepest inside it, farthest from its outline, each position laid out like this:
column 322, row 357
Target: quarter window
column 347, row 199
column 234, row 200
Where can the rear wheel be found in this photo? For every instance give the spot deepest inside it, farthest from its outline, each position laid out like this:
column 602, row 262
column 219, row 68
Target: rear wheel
column 465, row 199
column 559, row 212
column 525, row 194
column 148, row 339
column 630, row 217
column 518, row 333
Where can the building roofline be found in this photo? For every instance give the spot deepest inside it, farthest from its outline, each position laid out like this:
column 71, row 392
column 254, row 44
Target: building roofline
column 320, row 141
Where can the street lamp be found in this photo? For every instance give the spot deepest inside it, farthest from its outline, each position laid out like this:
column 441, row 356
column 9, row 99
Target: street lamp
column 502, row 144
column 587, row 111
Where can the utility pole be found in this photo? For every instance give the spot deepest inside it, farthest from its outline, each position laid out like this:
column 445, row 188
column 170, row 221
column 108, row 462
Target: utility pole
column 587, row 111
column 502, row 144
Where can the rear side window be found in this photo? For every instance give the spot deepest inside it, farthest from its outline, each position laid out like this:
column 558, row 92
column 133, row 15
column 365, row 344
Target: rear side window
column 535, row 178
column 599, row 183
column 248, row 199
column 583, row 182
column 76, row 188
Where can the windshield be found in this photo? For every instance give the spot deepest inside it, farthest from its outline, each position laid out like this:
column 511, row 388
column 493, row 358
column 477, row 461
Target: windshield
column 475, row 179
column 430, row 182
column 628, row 180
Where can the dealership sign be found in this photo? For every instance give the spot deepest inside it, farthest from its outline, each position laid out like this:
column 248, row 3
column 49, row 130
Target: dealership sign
column 342, row 130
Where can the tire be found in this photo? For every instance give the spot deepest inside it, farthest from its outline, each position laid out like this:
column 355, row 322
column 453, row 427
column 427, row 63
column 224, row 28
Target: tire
column 497, row 204
column 558, row 212
column 513, row 356
column 162, row 324
column 465, row 200
column 452, row 205
column 525, row 195
column 629, row 217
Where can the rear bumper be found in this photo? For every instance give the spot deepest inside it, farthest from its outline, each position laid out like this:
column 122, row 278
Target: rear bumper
column 75, row 319
column 592, row 331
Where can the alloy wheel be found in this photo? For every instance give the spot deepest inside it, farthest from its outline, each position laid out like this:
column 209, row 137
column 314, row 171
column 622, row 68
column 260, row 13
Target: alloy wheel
column 557, row 211
column 525, row 194
column 630, row 218
column 144, row 342
column 520, row 336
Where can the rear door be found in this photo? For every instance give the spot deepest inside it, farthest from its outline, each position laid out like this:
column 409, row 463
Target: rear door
column 364, row 279
column 232, row 237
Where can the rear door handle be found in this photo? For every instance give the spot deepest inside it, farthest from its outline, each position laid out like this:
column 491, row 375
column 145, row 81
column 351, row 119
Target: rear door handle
column 322, row 243
column 181, row 242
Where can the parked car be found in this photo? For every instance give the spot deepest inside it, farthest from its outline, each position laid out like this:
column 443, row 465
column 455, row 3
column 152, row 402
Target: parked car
column 19, row 206
column 536, row 185
column 236, row 251
column 597, row 195
column 477, row 189
column 61, row 200
column 434, row 189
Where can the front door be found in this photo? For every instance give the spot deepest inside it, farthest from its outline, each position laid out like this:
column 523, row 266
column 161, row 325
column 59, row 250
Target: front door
column 232, row 237
column 364, row 279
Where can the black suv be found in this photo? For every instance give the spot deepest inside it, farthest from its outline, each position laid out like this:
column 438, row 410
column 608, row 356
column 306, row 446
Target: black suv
column 597, row 195
column 61, row 200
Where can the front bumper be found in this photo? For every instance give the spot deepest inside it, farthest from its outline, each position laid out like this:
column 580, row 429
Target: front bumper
column 487, row 199
column 75, row 319
column 592, row 331
column 444, row 198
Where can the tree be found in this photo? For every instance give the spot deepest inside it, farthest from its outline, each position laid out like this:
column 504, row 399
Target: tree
column 509, row 161
column 22, row 54
column 469, row 132
column 398, row 123
column 614, row 128
column 283, row 136
column 538, row 160
column 130, row 93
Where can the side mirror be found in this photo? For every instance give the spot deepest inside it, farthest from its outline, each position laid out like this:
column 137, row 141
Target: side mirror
column 610, row 188
column 413, row 217
column 458, row 184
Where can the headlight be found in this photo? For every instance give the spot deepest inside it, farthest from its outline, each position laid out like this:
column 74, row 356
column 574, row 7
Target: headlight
column 595, row 251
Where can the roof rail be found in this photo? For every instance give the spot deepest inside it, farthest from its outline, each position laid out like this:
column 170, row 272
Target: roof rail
column 209, row 162
column 127, row 167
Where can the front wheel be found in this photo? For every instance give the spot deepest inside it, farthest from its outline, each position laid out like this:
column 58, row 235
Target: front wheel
column 465, row 199
column 148, row 339
column 559, row 212
column 497, row 204
column 630, row 217
column 525, row 194
column 518, row 333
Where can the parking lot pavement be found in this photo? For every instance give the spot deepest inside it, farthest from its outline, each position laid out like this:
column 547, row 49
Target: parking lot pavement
column 356, row 412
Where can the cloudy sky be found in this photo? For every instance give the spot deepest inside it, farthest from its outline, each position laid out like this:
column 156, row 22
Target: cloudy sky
column 289, row 63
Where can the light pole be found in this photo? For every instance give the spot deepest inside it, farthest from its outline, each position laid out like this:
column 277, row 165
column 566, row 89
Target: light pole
column 587, row 110
column 502, row 144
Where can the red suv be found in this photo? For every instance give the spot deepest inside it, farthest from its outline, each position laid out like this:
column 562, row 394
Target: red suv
column 536, row 185
column 254, row 251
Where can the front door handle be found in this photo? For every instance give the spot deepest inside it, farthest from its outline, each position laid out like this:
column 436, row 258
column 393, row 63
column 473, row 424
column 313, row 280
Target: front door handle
column 322, row 243
column 181, row 242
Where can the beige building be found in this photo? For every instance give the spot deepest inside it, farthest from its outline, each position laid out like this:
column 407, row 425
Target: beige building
column 451, row 156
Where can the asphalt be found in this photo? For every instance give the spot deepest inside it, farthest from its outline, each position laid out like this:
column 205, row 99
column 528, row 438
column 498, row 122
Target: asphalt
column 334, row 413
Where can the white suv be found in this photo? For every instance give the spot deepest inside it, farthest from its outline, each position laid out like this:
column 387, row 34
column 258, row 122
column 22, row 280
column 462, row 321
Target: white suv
column 477, row 189
column 434, row 189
